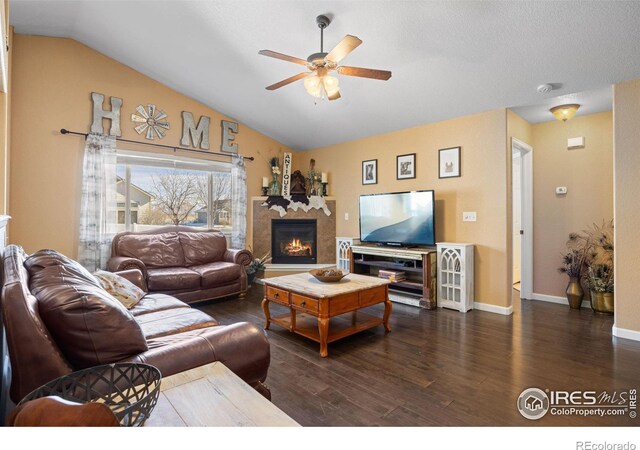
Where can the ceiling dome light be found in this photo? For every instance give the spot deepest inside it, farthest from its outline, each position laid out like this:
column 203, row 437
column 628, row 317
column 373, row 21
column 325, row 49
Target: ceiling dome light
column 564, row 112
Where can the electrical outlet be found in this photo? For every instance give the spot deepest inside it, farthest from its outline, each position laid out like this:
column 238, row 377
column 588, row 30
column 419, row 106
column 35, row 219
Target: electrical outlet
column 469, row 216
column 346, row 216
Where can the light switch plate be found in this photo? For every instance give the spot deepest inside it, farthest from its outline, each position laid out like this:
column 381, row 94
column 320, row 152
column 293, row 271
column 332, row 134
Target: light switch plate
column 346, row 216
column 469, row 216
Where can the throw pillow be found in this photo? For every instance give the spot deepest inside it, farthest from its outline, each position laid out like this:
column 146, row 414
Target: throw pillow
column 120, row 288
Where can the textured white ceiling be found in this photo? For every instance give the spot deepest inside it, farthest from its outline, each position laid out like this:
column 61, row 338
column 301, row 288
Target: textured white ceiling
column 448, row 58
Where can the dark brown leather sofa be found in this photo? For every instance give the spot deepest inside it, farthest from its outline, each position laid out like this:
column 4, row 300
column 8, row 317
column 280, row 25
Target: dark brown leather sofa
column 58, row 319
column 188, row 263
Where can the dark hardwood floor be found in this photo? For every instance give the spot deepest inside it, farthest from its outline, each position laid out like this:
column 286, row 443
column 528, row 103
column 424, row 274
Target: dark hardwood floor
column 440, row 368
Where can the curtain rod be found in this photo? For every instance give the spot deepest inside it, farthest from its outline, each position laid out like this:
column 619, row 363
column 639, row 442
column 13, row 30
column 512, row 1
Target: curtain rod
column 250, row 158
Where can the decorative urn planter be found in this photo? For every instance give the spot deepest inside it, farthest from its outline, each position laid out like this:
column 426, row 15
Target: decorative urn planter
column 602, row 302
column 575, row 294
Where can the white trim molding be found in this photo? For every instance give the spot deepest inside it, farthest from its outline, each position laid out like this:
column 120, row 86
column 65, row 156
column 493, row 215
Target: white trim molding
column 625, row 333
column 503, row 310
column 556, row 299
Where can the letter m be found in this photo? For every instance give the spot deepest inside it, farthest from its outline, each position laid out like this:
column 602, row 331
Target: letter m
column 198, row 135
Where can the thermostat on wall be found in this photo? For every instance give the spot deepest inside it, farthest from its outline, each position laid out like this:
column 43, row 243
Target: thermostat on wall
column 561, row 190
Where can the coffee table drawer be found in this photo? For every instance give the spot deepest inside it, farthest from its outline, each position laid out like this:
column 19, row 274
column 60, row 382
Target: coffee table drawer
column 277, row 295
column 372, row 296
column 304, row 303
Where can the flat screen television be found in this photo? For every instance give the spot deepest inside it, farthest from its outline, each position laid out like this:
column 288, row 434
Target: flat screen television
column 398, row 218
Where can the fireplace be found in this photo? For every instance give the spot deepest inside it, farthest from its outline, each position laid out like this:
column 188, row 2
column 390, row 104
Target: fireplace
column 294, row 241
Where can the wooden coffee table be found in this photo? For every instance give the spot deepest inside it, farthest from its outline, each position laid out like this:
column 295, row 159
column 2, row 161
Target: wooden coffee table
column 213, row 396
column 313, row 304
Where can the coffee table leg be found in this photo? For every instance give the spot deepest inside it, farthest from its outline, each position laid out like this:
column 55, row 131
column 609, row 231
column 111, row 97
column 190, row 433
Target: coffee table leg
column 387, row 313
column 267, row 315
column 323, row 328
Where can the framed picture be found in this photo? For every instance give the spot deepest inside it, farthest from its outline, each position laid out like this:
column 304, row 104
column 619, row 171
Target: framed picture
column 370, row 171
column 406, row 166
column 449, row 162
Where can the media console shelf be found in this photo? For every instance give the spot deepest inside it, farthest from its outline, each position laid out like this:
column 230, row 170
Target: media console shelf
column 417, row 263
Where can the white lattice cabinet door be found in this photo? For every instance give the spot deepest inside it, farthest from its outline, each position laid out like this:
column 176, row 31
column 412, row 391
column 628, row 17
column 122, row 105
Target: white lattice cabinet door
column 343, row 244
column 455, row 276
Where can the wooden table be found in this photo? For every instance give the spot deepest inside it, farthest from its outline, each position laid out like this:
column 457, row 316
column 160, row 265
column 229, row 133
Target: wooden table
column 213, row 396
column 312, row 304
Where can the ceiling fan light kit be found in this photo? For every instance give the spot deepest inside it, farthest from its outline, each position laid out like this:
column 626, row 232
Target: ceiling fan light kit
column 318, row 82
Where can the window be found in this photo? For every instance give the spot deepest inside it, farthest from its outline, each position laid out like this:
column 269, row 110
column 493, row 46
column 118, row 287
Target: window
column 157, row 190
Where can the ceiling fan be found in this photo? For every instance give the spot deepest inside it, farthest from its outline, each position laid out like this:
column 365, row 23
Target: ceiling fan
column 318, row 82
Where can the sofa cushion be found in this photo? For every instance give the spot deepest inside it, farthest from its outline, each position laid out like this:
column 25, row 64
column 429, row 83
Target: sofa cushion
column 202, row 247
column 154, row 250
column 120, row 288
column 156, row 302
column 89, row 326
column 173, row 321
column 217, row 273
column 172, row 279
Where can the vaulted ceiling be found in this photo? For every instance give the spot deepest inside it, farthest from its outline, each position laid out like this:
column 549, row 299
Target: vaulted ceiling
column 448, row 59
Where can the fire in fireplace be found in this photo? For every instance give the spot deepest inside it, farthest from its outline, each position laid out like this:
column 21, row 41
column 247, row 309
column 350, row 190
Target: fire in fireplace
column 293, row 241
column 296, row 247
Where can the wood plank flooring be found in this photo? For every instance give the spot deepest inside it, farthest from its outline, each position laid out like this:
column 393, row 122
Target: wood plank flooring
column 441, row 368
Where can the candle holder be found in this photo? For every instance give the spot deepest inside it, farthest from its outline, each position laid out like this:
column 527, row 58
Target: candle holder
column 324, row 189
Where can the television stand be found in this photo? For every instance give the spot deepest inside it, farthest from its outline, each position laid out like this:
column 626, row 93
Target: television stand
column 417, row 263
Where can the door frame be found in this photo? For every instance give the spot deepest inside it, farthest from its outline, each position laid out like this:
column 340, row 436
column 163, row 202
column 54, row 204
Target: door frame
column 526, row 205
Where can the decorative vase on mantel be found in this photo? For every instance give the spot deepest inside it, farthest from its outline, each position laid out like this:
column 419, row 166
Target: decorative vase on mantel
column 275, row 188
column 575, row 294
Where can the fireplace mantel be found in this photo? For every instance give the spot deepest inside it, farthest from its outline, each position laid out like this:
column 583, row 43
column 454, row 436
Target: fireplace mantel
column 326, row 242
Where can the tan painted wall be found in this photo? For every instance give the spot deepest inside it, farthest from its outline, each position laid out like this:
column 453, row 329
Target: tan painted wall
column 588, row 175
column 53, row 81
column 626, row 113
column 482, row 187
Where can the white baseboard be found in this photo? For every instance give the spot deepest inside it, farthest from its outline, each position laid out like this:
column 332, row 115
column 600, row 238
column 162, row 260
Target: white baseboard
column 558, row 300
column 504, row 310
column 625, row 333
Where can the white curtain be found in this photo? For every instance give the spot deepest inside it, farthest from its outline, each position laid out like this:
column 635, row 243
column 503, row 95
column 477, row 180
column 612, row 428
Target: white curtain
column 238, row 202
column 98, row 208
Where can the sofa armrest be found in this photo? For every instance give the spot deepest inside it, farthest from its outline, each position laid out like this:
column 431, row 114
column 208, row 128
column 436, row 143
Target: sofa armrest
column 242, row 257
column 135, row 276
column 243, row 347
column 120, row 263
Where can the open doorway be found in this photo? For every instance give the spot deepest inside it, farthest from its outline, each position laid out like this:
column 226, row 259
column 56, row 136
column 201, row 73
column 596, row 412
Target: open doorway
column 522, row 214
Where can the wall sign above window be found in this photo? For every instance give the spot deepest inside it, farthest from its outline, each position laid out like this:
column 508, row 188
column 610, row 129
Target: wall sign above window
column 149, row 121
column 99, row 114
column 229, row 130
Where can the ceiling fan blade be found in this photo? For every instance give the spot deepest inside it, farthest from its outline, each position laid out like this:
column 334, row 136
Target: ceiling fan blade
column 289, row 80
column 344, row 47
column 283, row 57
column 335, row 96
column 365, row 73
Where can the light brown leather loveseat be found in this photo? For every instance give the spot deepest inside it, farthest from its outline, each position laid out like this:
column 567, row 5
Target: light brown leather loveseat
column 188, row 263
column 58, row 319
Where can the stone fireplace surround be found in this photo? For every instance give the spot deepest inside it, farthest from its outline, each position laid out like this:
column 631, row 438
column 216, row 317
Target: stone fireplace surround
column 326, row 240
